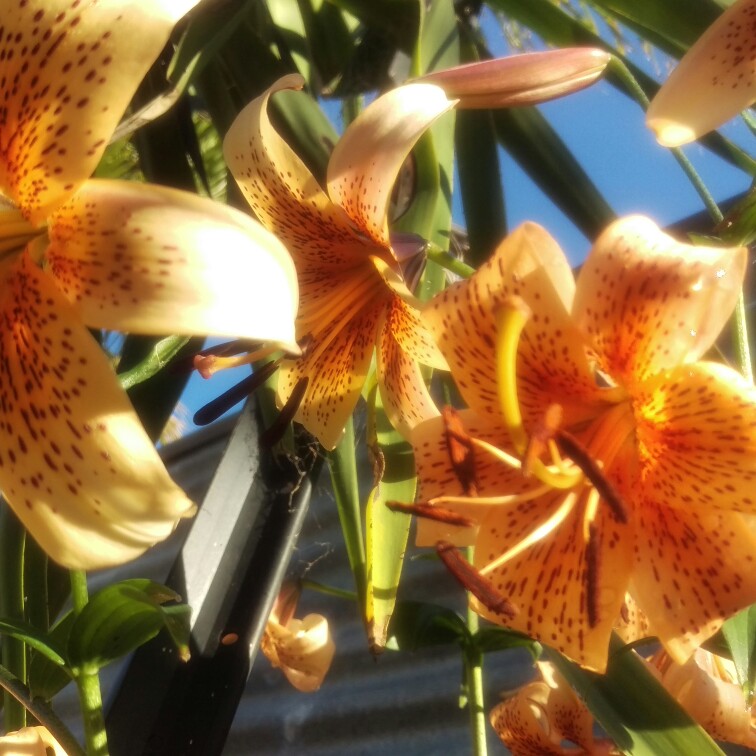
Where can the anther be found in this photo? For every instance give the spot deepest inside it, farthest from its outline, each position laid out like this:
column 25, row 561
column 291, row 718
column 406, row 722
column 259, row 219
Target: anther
column 461, row 451
column 431, row 512
column 592, row 550
column 540, row 436
column 470, row 579
column 274, row 433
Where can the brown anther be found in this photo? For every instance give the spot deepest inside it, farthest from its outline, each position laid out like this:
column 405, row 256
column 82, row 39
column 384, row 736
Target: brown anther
column 572, row 448
column 431, row 512
column 461, row 451
column 542, row 433
column 203, row 364
column 228, row 639
column 470, row 579
column 274, row 433
column 591, row 574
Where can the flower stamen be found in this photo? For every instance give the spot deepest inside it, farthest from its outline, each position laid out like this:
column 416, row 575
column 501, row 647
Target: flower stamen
column 430, row 511
column 461, row 451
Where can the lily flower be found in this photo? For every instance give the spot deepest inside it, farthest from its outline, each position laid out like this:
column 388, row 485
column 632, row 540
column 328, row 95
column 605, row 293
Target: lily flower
column 542, row 715
column 707, row 687
column 302, row 649
column 714, row 81
column 30, row 741
column 606, row 457
column 353, row 296
column 75, row 463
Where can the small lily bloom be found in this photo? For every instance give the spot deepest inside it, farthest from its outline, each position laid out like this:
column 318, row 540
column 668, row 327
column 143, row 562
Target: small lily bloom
column 714, row 81
column 353, row 298
column 302, row 649
column 607, row 458
column 524, row 79
column 707, row 687
column 75, row 463
column 542, row 715
column 30, row 741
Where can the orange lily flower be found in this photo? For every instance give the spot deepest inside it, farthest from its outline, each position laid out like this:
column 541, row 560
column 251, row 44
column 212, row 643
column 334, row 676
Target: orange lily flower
column 30, row 741
column 75, row 463
column 638, row 458
column 714, row 81
column 541, row 715
column 302, row 649
column 353, row 298
column 707, row 687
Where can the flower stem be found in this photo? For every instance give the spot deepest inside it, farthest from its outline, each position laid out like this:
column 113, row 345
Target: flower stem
column 12, row 546
column 88, row 683
column 40, row 711
column 473, row 661
column 447, row 260
column 162, row 353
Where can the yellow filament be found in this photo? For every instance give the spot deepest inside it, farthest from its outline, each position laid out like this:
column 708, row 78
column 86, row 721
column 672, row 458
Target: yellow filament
column 491, row 500
column 591, row 507
column 536, row 535
column 224, row 363
column 510, row 321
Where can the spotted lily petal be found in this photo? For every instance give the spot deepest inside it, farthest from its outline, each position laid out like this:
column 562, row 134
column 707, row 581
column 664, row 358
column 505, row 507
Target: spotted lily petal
column 67, row 72
column 526, row 79
column 692, row 570
column 367, row 159
column 75, row 463
column 283, row 193
column 148, row 259
column 696, row 437
column 528, row 264
column 547, row 580
column 714, row 81
column 649, row 302
column 30, row 741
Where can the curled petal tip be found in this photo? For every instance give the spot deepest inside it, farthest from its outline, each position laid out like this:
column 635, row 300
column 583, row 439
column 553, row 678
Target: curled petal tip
column 670, row 133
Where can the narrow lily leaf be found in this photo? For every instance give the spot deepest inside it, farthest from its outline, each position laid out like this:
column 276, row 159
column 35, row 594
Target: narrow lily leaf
column 290, row 27
column 387, row 531
column 489, row 639
column 739, row 226
column 44, row 677
column 740, row 633
column 633, row 707
column 119, row 619
column 539, row 150
column 33, row 638
column 672, row 25
column 417, row 624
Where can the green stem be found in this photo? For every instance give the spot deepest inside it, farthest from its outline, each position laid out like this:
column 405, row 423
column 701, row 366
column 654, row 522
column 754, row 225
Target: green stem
column 88, row 683
column 447, row 260
column 40, row 711
column 12, row 546
column 343, row 466
column 473, row 660
column 162, row 353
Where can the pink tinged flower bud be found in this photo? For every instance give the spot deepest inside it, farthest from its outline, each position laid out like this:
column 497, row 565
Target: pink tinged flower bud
column 526, row 79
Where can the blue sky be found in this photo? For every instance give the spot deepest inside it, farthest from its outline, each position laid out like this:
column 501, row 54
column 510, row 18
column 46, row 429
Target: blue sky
column 607, row 133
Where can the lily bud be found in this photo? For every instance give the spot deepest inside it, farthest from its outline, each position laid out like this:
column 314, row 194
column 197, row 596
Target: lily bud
column 526, row 79
column 714, row 81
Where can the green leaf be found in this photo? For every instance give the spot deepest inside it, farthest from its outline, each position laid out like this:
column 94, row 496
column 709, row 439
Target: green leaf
column 387, row 531
column 489, row 639
column 119, row 619
column 33, row 638
column 632, row 706
column 417, row 624
column 45, row 678
column 740, row 633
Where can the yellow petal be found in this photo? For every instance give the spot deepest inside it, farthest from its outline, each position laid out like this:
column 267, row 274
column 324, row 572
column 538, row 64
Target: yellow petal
column 336, row 364
column 525, row 79
column 67, row 73
column 696, row 431
column 283, row 193
column 367, row 159
column 437, row 476
column 714, row 81
column 303, row 649
column 552, row 363
column 30, row 741
column 547, row 581
column 405, row 396
column 692, row 571
column 649, row 302
column 75, row 463
column 148, row 259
